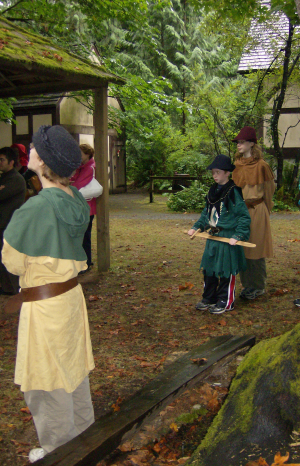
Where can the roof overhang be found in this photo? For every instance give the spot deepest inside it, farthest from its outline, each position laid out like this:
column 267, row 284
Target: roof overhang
column 31, row 65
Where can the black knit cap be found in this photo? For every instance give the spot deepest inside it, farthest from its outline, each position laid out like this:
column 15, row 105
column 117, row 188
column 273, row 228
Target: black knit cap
column 58, row 149
column 222, row 162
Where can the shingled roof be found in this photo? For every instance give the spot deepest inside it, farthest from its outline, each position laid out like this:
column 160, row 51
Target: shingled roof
column 266, row 41
column 31, row 64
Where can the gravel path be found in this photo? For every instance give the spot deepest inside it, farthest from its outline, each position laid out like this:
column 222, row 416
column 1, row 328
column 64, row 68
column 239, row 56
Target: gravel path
column 137, row 205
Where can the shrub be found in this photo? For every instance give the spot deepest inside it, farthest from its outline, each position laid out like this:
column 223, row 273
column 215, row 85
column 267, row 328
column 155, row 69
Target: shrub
column 190, row 199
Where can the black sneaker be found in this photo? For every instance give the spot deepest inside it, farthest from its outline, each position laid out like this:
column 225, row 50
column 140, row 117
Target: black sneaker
column 203, row 306
column 216, row 309
column 297, row 302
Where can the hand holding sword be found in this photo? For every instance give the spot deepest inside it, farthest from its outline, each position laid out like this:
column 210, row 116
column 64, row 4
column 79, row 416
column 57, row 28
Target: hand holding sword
column 232, row 241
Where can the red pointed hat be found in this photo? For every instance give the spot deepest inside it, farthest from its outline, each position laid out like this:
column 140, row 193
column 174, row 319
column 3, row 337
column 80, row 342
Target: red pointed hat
column 23, row 156
column 246, row 134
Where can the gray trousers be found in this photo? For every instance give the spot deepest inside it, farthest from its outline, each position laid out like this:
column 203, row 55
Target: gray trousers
column 59, row 416
column 256, row 274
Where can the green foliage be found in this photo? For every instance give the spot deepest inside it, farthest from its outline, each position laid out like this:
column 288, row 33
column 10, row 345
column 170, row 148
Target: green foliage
column 287, row 205
column 188, row 418
column 189, row 199
column 221, row 107
column 237, row 10
column 6, row 110
column 287, row 195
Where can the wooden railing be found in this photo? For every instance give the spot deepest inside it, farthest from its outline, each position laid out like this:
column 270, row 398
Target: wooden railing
column 176, row 178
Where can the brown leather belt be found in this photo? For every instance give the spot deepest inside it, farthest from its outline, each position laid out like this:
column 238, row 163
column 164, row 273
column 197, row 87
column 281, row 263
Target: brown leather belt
column 37, row 293
column 252, row 204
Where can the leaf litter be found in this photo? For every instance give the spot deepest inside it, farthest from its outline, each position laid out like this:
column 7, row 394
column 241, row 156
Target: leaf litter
column 137, row 310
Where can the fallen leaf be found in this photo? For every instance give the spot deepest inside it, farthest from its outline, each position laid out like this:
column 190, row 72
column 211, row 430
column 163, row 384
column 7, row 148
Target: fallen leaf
column 139, row 457
column 93, row 298
column 115, row 407
column 27, row 418
column 25, row 410
column 126, row 446
column 222, row 322
column 187, row 286
column 58, row 57
column 146, row 364
column 174, row 427
column 279, row 292
column 213, row 405
column 278, row 459
column 260, row 462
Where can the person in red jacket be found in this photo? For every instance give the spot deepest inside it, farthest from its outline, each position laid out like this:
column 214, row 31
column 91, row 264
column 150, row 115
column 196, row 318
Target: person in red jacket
column 23, row 157
column 83, row 177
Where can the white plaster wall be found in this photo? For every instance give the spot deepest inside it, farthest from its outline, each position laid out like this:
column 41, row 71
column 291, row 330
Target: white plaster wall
column 73, row 113
column 5, row 134
column 86, row 139
column 38, row 120
column 293, row 136
column 22, row 125
column 113, row 102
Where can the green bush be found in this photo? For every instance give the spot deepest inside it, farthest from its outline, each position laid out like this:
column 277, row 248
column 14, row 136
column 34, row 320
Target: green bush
column 190, row 199
column 287, row 204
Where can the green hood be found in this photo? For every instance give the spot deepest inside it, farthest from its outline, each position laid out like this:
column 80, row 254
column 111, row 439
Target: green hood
column 73, row 213
column 50, row 224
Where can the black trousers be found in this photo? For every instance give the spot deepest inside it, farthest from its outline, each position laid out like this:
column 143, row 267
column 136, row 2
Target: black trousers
column 87, row 241
column 8, row 282
column 220, row 291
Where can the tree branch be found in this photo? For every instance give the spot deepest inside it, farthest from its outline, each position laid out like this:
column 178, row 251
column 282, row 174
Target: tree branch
column 12, row 6
column 285, row 135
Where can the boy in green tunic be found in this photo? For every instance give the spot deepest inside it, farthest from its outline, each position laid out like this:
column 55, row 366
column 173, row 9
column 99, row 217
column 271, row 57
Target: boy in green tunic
column 224, row 215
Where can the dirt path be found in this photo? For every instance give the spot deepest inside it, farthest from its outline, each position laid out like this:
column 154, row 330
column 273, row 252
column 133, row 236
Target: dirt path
column 138, row 317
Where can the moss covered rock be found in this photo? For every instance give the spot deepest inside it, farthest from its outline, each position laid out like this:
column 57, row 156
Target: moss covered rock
column 262, row 408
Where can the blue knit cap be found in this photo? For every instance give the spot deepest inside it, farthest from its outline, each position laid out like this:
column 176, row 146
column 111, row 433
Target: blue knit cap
column 58, row 149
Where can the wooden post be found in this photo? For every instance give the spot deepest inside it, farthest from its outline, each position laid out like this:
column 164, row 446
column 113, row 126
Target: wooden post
column 101, row 159
column 151, row 189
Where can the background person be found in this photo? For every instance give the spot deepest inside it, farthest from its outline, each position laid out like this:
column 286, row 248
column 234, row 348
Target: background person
column 12, row 196
column 256, row 179
column 83, row 176
column 43, row 245
column 23, row 157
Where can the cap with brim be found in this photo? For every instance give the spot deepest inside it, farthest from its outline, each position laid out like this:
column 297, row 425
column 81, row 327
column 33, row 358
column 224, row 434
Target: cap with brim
column 222, row 162
column 246, row 134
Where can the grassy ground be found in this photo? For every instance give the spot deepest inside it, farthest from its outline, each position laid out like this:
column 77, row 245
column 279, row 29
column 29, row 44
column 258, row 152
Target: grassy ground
column 138, row 316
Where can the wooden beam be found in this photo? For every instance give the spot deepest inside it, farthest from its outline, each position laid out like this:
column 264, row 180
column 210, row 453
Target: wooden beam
column 101, row 159
column 104, row 436
column 44, row 87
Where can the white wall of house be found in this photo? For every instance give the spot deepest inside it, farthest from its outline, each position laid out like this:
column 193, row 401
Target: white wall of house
column 5, row 134
column 289, row 123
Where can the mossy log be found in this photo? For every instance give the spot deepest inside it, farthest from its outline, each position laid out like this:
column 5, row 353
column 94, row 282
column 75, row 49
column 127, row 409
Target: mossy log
column 262, row 408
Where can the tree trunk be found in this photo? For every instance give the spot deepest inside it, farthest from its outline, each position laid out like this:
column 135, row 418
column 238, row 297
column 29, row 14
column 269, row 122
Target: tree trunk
column 262, row 409
column 278, row 103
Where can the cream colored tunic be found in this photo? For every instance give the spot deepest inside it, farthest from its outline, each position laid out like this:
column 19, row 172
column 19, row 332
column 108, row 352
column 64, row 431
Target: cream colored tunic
column 260, row 228
column 54, row 345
